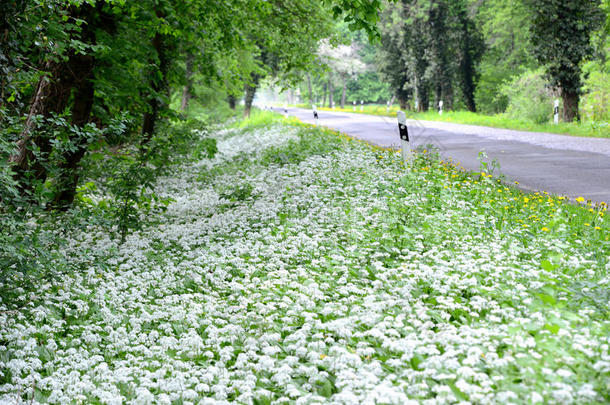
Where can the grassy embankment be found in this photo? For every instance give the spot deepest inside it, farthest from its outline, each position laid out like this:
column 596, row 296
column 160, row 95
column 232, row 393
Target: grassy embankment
column 587, row 129
column 299, row 264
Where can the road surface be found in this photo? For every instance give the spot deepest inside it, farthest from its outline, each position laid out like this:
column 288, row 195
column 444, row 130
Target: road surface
column 558, row 164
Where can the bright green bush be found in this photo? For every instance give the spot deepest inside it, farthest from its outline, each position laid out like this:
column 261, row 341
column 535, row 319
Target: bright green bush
column 530, row 97
column 595, row 103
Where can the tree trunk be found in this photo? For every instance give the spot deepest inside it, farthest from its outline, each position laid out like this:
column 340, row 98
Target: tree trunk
column 309, row 88
column 468, row 86
column 232, row 101
column 250, row 93
column 21, row 158
column 187, row 91
column 402, row 102
column 571, row 99
column 150, row 117
column 324, row 94
column 81, row 68
column 69, row 80
column 81, row 112
column 447, row 96
column 438, row 92
column 157, row 100
column 51, row 97
column 330, row 89
column 422, row 96
column 343, row 92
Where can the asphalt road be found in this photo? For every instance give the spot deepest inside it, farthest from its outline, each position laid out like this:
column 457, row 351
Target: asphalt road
column 557, row 164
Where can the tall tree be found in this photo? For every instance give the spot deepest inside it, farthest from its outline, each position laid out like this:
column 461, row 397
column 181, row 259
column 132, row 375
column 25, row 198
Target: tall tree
column 471, row 47
column 505, row 26
column 561, row 35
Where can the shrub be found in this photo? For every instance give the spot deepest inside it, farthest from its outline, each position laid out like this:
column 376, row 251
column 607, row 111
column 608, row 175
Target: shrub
column 530, row 97
column 595, row 103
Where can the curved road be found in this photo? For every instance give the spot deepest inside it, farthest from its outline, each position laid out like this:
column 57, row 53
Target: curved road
column 559, row 164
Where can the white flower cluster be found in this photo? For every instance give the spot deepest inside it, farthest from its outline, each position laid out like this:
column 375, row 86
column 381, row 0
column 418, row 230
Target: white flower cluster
column 310, row 289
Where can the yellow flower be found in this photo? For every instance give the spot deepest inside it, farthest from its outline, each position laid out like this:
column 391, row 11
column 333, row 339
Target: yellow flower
column 580, row 199
column 586, row 224
column 322, row 356
column 545, row 229
column 597, row 227
column 525, row 199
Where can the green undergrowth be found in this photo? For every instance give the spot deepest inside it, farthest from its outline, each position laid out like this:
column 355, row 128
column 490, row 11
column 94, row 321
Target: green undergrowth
column 318, row 268
column 261, row 118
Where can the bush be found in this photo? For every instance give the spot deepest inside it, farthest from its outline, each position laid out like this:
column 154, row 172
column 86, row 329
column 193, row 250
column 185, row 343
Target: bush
column 595, row 103
column 530, row 97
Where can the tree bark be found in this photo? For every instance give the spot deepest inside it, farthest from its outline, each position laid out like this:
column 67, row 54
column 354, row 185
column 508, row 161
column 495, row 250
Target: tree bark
column 422, row 95
column 187, row 91
column 571, row 99
column 343, row 92
column 67, row 81
column 81, row 68
column 330, row 89
column 51, row 97
column 81, row 111
column 324, row 94
column 232, row 101
column 402, row 102
column 150, row 117
column 438, row 92
column 309, row 88
column 159, row 84
column 250, row 93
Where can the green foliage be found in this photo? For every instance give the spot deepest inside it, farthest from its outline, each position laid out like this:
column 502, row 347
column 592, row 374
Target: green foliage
column 505, row 27
column 561, row 39
column 27, row 254
column 596, row 98
column 259, row 118
column 430, row 49
column 529, row 97
column 309, row 143
column 359, row 14
column 129, row 176
column 130, row 187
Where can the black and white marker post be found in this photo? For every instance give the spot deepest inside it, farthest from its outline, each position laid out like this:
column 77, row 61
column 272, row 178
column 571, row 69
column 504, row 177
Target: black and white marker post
column 388, row 107
column 556, row 112
column 315, row 113
column 361, row 105
column 354, row 105
column 404, row 136
column 440, row 107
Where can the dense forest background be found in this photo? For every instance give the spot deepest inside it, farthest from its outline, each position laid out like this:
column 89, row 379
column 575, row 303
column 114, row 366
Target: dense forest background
column 91, row 81
column 492, row 56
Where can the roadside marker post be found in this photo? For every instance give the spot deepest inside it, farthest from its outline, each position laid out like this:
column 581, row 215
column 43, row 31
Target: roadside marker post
column 440, row 107
column 404, row 136
column 361, row 105
column 388, row 107
column 556, row 112
column 354, row 105
column 315, row 113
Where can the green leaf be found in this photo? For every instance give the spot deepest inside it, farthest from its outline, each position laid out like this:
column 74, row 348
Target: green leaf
column 552, row 328
column 547, row 265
